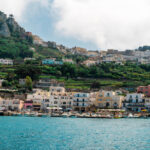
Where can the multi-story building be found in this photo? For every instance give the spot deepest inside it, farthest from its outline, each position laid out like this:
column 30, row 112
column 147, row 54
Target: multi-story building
column 66, row 101
column 81, row 102
column 109, row 100
column 147, row 103
column 59, row 98
column 6, row 61
column 37, row 97
column 134, row 102
column 9, row 104
column 113, row 58
column 144, row 90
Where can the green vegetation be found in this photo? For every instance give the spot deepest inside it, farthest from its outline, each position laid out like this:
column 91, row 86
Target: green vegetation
column 79, row 76
column 47, row 52
column 28, row 83
column 14, row 48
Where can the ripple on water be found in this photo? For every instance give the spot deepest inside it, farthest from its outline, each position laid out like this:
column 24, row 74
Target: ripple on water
column 25, row 133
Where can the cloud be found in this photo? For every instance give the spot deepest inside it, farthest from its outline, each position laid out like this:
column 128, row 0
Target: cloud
column 18, row 7
column 117, row 24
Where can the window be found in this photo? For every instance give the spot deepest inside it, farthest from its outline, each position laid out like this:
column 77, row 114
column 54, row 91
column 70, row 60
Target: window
column 55, row 102
column 100, row 105
column 100, row 100
column 108, row 94
column 107, row 104
column 64, row 103
column 83, row 100
column 46, row 100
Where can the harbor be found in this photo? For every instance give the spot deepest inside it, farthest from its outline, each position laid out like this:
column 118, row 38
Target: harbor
column 108, row 114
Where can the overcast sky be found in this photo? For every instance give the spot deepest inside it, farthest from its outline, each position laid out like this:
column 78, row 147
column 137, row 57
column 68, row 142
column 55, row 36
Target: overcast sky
column 93, row 24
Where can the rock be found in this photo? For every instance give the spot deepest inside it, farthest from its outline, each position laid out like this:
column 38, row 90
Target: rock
column 4, row 30
column 9, row 26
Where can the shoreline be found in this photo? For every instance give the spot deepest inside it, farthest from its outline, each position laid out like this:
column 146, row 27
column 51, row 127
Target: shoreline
column 72, row 115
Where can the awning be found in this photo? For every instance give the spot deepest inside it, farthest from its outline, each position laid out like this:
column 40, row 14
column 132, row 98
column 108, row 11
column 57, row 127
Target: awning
column 54, row 108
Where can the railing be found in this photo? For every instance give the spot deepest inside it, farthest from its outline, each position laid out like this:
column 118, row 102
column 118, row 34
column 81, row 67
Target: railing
column 80, row 100
column 136, row 104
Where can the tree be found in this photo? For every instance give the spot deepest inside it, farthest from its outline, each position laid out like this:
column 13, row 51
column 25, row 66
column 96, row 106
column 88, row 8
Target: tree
column 68, row 70
column 10, row 76
column 28, row 70
column 6, row 84
column 58, row 74
column 95, row 85
column 28, row 83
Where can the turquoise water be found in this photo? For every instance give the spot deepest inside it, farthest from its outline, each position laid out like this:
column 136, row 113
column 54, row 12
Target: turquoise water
column 25, row 133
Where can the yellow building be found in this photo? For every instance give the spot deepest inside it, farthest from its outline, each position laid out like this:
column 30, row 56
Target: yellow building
column 109, row 100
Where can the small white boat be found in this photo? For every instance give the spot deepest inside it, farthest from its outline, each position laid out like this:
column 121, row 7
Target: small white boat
column 130, row 116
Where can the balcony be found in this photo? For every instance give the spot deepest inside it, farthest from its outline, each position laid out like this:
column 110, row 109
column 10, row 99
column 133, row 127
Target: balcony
column 136, row 105
column 80, row 104
column 80, row 100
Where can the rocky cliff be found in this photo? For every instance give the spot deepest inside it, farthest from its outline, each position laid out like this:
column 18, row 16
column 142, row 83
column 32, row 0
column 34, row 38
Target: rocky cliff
column 9, row 27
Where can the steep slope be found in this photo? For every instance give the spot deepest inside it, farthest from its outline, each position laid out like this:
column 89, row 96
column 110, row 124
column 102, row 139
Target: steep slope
column 15, row 42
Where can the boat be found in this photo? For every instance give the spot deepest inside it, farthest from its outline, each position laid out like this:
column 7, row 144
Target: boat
column 130, row 115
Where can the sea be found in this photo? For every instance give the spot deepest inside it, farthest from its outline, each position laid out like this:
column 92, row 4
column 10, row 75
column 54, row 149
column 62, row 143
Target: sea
column 46, row 133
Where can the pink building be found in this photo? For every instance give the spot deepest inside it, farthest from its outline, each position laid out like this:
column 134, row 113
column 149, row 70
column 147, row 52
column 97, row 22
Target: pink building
column 144, row 89
column 28, row 104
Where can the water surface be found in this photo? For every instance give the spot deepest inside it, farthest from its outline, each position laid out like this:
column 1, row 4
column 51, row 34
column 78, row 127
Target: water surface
column 25, row 133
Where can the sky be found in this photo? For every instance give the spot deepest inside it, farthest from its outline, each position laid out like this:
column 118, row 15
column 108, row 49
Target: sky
column 91, row 24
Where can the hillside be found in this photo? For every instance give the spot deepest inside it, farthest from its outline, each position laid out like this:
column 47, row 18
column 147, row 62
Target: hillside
column 15, row 42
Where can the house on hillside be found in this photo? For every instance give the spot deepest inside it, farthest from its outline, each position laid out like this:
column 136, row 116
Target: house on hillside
column 51, row 62
column 6, row 61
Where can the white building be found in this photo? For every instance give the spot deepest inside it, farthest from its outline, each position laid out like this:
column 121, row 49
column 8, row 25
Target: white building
column 116, row 58
column 9, row 104
column 59, row 98
column 69, row 61
column 6, row 61
column 81, row 101
column 134, row 102
column 147, row 103
column 38, row 97
column 89, row 63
